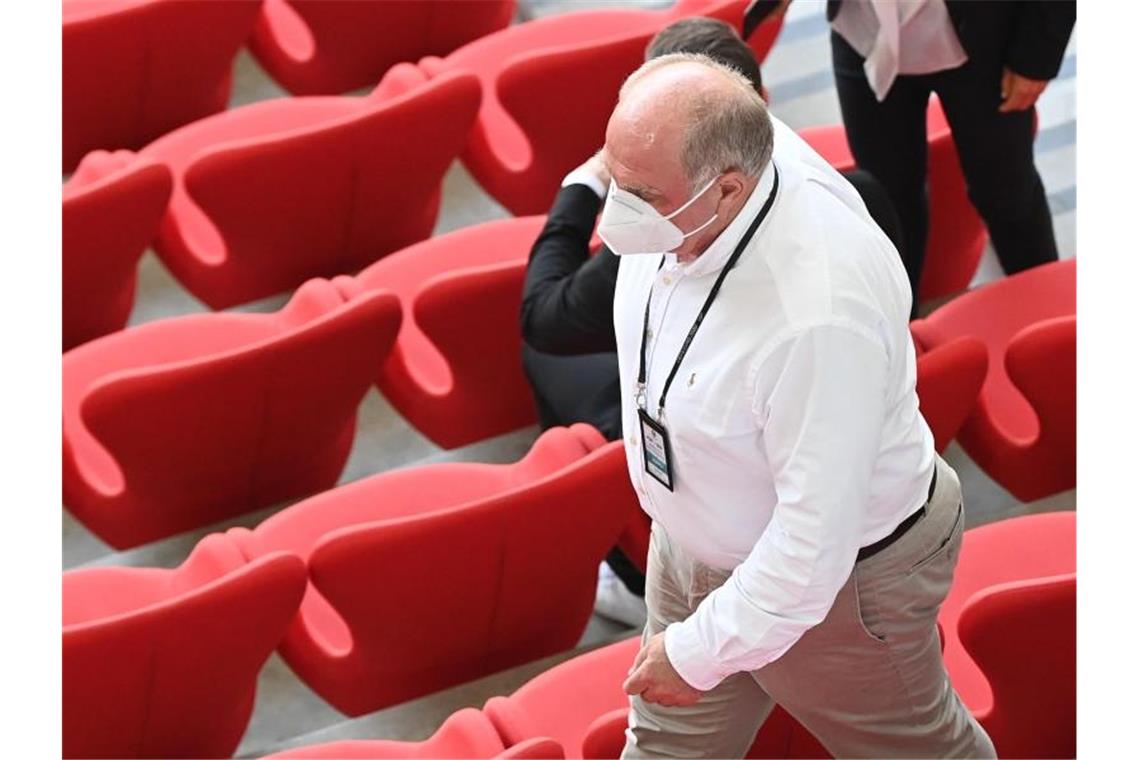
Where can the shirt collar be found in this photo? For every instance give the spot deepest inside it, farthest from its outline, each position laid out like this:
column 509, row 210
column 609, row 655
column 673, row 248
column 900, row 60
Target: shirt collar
column 720, row 250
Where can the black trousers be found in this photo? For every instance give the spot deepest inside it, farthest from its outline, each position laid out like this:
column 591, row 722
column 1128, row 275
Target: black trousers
column 888, row 139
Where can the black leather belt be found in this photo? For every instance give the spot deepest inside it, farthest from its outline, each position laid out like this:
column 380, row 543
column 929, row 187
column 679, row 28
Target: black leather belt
column 872, row 549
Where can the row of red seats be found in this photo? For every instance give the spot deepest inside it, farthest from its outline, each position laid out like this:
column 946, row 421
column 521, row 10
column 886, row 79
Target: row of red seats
column 182, row 422
column 377, row 592
column 128, row 81
column 254, row 201
column 497, row 569
column 257, row 199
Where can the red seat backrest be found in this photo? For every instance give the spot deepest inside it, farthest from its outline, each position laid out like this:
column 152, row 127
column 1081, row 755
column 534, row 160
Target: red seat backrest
column 169, row 668
column 128, row 79
column 111, row 210
column 1023, row 635
column 950, row 378
column 333, row 197
column 331, row 46
column 247, row 427
column 502, row 581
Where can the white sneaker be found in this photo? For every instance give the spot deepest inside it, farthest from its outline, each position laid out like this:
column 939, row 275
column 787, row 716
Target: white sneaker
column 615, row 602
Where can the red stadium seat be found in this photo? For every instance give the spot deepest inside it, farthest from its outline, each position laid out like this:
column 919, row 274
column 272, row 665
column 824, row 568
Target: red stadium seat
column 183, row 422
column 326, row 47
column 1022, row 431
column 136, row 69
column 465, row 734
column 456, row 372
column 957, row 235
column 1009, row 626
column 950, row 378
column 428, row 577
column 273, row 193
column 580, row 704
column 164, row 663
column 111, row 209
column 523, row 143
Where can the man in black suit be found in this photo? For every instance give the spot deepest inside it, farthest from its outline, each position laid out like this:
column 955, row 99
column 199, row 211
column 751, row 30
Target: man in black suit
column 988, row 62
column 569, row 351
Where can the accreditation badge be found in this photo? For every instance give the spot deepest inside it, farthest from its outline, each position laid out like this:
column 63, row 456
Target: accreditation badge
column 655, row 450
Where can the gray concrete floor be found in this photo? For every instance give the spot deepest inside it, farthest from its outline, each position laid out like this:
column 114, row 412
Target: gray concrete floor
column 797, row 73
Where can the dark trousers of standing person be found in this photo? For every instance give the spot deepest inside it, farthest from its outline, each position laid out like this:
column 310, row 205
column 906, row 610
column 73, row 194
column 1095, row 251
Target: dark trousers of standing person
column 995, row 150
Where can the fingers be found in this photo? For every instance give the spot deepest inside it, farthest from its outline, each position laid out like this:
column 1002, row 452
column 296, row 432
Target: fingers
column 1018, row 93
column 640, row 658
column 663, row 697
column 635, row 683
column 1021, row 99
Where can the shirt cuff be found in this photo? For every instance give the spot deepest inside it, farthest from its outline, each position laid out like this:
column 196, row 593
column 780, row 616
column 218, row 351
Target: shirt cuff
column 695, row 666
column 585, row 177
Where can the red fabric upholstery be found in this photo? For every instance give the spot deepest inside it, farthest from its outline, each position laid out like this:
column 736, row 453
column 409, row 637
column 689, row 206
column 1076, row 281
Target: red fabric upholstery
column 164, row 663
column 1009, row 625
column 456, row 372
column 1022, row 431
column 534, row 749
column 183, row 422
column 273, row 193
column 111, row 209
column 522, row 144
column 950, row 378
column 957, row 235
column 128, row 79
column 315, row 47
column 428, row 577
column 465, row 734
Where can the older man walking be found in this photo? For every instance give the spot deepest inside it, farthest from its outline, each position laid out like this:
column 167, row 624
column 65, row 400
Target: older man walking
column 805, row 532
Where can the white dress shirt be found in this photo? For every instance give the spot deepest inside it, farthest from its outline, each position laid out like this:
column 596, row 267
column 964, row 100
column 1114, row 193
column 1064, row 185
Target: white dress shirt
column 795, row 431
column 583, row 176
column 913, row 37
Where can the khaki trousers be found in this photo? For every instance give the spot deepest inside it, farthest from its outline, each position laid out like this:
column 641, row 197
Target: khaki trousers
column 867, row 682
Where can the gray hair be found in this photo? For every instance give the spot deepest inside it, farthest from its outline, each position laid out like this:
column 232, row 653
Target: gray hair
column 728, row 128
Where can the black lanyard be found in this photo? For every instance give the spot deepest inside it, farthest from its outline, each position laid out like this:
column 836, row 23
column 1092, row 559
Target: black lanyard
column 704, row 309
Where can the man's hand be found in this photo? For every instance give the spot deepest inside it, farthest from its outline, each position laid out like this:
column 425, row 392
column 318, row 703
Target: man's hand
column 1018, row 92
column 597, row 166
column 653, row 677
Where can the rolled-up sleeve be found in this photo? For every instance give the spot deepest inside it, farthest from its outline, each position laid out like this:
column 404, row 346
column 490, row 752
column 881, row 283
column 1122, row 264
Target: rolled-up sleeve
column 819, row 400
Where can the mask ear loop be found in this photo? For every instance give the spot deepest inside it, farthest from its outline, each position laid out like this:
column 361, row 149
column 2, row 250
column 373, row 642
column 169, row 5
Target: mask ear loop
column 690, row 233
column 693, row 200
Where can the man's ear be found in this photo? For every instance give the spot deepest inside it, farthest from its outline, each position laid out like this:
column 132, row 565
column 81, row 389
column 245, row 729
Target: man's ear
column 732, row 186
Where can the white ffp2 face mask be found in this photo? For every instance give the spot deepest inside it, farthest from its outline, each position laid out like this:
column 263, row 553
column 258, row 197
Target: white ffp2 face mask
column 629, row 225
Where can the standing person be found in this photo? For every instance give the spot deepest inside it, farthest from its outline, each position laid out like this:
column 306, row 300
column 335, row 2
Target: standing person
column 988, row 62
column 805, row 532
column 567, row 312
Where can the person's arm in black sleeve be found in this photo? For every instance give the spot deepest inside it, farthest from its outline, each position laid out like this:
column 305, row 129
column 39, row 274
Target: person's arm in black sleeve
column 568, row 297
column 1040, row 35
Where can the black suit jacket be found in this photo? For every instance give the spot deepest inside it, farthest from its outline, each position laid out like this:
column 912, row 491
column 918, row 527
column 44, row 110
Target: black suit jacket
column 568, row 298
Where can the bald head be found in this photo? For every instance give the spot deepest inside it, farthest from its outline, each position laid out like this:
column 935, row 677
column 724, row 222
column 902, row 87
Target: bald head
column 683, row 120
column 708, row 112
